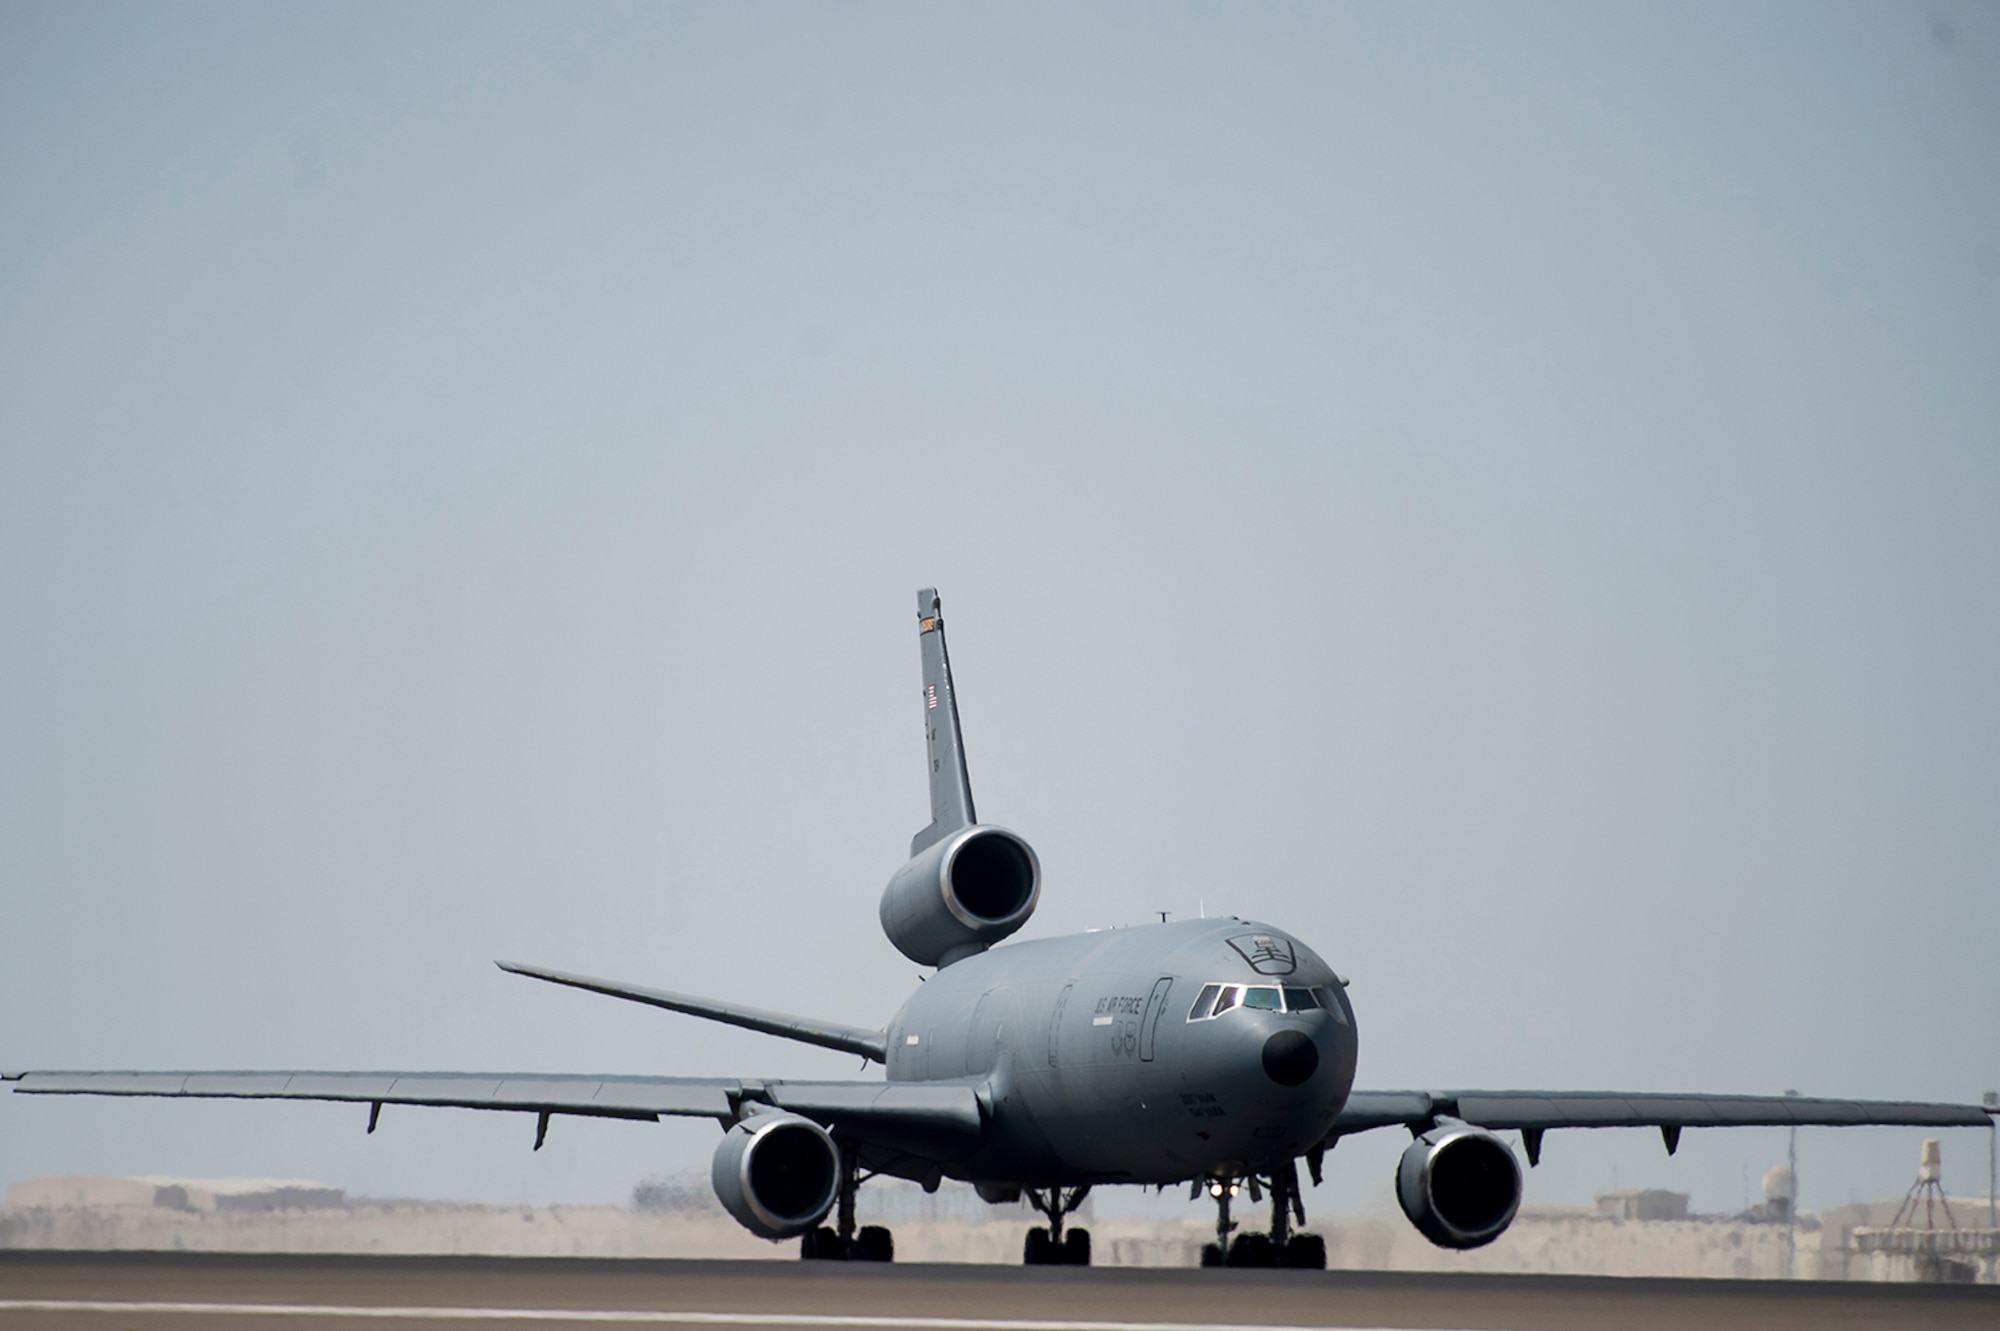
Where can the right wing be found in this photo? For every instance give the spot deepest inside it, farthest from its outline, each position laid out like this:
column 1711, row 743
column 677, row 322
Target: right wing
column 871, row 1045
column 940, row 1112
column 601, row 1097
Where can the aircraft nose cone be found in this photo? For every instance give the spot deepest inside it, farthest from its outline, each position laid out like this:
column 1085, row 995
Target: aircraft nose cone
column 1290, row 1058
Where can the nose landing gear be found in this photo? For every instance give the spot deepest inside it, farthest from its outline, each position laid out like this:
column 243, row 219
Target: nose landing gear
column 1280, row 1246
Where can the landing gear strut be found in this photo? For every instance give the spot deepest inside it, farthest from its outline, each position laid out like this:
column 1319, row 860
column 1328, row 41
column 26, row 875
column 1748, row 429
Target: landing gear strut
column 841, row 1242
column 1051, row 1247
column 1224, row 1192
column 1280, row 1246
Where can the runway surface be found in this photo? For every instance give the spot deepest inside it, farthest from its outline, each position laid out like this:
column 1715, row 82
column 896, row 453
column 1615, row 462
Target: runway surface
column 266, row 1292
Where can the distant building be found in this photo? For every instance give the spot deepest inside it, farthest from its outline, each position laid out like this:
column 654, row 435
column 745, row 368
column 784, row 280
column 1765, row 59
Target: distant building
column 177, row 1194
column 1644, row 1204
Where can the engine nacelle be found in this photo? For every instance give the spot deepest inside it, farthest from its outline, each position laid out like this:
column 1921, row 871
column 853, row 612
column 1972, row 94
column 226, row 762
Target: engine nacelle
column 961, row 895
column 777, row 1174
column 1460, row 1185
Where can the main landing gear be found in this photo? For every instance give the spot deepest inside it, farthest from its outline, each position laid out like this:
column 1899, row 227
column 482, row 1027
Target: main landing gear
column 1052, row 1247
column 841, row 1241
column 1279, row 1247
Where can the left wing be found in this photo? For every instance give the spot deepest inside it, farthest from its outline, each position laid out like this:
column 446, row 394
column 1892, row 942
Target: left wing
column 866, row 1109
column 1535, row 1112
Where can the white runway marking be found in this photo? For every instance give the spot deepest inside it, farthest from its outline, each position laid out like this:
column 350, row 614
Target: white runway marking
column 632, row 1316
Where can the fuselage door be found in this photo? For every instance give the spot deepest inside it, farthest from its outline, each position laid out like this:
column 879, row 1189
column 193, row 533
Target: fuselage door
column 1055, row 1025
column 982, row 1044
column 1156, row 1003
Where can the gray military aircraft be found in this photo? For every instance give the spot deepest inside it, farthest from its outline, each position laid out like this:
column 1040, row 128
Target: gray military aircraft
column 1211, row 1053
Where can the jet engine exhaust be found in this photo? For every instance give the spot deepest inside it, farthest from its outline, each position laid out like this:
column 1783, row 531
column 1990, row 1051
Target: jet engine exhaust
column 776, row 1174
column 1459, row 1185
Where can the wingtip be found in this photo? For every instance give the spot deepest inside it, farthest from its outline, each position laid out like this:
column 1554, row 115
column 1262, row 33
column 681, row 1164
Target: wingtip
column 927, row 601
column 534, row 972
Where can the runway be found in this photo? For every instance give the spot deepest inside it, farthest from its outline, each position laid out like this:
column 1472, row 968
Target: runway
column 262, row 1292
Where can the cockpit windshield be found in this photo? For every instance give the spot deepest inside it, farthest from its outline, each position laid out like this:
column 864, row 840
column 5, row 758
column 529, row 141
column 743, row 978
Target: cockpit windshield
column 1216, row 999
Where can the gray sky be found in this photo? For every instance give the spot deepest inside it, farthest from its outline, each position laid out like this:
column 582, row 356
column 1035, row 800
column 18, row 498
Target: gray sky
column 1509, row 494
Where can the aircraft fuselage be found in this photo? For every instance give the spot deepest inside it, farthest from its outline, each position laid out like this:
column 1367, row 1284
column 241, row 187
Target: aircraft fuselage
column 1094, row 1065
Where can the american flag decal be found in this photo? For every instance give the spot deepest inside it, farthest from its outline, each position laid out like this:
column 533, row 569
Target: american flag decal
column 930, row 697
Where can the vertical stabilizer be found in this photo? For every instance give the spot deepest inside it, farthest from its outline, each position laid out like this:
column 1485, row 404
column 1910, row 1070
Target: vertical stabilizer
column 951, row 788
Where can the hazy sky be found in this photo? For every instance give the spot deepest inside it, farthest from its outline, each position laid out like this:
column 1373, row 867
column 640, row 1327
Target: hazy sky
column 1510, row 494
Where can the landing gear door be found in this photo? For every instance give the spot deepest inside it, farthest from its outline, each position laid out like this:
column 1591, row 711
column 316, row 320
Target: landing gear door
column 1156, row 1003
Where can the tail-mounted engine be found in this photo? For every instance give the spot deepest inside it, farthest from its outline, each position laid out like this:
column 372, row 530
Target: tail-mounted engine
column 777, row 1174
column 968, row 884
column 961, row 895
column 1459, row 1185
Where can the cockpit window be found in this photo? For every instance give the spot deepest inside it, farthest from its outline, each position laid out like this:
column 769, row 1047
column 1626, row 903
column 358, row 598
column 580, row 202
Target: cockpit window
column 1216, row 999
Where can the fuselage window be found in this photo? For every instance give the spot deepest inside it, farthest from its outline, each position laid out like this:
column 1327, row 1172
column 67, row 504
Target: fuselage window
column 1205, row 1004
column 1300, row 1000
column 1258, row 996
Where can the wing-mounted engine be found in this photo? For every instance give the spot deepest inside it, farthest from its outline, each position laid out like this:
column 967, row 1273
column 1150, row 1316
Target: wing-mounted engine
column 961, row 895
column 777, row 1174
column 1459, row 1185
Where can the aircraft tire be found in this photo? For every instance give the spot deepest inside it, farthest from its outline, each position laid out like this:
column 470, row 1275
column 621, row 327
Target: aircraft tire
column 1306, row 1252
column 1076, row 1248
column 822, row 1245
column 1211, row 1255
column 1251, row 1250
column 876, row 1244
column 1036, row 1250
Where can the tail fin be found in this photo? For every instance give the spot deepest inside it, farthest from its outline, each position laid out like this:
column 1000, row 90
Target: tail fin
column 951, row 788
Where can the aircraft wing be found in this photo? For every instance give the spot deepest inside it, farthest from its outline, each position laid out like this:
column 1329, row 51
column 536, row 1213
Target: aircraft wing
column 866, row 1109
column 871, row 1045
column 1535, row 1112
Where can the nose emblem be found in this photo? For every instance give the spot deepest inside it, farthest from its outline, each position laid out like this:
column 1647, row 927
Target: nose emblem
column 1290, row 1058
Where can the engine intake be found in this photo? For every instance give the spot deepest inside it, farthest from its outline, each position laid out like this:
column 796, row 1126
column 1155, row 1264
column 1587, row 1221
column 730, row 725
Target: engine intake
column 777, row 1174
column 1459, row 1185
column 962, row 895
